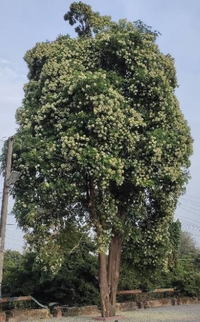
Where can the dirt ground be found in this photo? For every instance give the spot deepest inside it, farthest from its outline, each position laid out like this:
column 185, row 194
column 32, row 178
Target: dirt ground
column 190, row 313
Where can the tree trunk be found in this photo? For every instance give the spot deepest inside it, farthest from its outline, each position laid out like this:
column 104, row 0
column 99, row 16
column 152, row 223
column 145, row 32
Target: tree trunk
column 108, row 272
column 103, row 285
column 109, row 276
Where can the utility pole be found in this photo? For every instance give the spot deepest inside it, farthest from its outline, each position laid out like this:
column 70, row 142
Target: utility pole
column 4, row 208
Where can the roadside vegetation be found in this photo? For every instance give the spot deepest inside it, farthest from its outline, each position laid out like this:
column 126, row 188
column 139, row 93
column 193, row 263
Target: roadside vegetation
column 77, row 283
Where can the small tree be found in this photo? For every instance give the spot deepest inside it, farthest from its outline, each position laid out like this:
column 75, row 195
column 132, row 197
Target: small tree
column 187, row 246
column 74, row 284
column 101, row 140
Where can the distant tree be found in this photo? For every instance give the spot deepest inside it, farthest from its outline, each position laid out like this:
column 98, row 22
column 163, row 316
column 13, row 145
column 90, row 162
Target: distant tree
column 187, row 246
column 12, row 263
column 186, row 275
column 101, row 141
column 74, row 284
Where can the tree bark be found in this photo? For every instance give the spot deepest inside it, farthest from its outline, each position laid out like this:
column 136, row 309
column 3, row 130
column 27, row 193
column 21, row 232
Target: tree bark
column 109, row 276
column 103, row 285
column 114, row 261
column 108, row 270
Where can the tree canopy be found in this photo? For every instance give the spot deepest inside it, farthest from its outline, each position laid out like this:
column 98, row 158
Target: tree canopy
column 101, row 140
column 88, row 21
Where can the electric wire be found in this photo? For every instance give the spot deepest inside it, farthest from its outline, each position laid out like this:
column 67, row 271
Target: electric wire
column 195, row 209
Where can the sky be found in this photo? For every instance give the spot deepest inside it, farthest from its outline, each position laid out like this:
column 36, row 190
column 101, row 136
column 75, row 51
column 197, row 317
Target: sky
column 23, row 23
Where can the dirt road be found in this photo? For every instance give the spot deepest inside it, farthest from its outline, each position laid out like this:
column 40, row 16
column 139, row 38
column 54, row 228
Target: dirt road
column 190, row 313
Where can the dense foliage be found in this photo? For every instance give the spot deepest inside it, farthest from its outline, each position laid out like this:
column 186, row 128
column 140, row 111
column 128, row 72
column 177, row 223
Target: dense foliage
column 101, row 141
column 76, row 283
column 102, row 108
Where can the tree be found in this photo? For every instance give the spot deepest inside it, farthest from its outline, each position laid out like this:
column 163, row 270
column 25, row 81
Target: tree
column 74, row 284
column 101, row 141
column 185, row 276
column 187, row 246
column 12, row 263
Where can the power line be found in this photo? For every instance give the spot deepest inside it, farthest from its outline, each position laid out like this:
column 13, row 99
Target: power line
column 192, row 196
column 191, row 233
column 188, row 211
column 190, row 228
column 190, row 219
column 181, row 204
column 191, row 201
column 197, row 227
column 193, row 225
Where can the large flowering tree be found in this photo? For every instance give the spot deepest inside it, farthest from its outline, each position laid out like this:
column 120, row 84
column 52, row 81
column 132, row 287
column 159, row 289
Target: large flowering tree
column 102, row 141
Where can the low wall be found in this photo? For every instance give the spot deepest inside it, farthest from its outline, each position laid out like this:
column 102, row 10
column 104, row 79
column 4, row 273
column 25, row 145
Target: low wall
column 59, row 311
column 158, row 303
column 83, row 310
column 24, row 315
column 187, row 300
column 126, row 306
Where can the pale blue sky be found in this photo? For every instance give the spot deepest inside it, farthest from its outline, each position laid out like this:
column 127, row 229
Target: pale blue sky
column 25, row 22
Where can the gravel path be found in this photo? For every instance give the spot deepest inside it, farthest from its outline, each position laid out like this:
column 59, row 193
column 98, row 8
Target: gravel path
column 190, row 313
